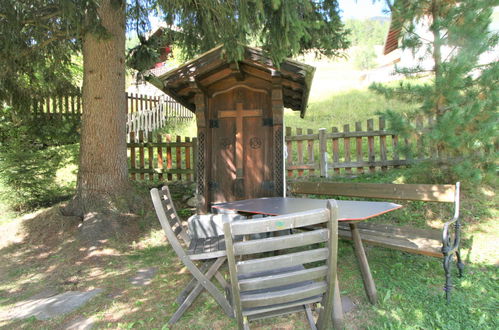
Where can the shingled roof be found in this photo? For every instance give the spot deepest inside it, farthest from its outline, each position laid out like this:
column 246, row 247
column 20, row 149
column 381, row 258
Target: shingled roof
column 211, row 67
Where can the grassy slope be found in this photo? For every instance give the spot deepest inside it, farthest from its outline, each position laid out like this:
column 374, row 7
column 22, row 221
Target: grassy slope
column 339, row 96
column 344, row 107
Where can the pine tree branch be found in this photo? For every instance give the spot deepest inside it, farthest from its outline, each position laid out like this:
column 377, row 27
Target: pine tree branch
column 450, row 53
column 417, row 35
column 38, row 19
column 47, row 42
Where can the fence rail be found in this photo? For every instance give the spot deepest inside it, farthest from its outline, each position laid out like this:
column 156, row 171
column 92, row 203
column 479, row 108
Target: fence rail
column 161, row 157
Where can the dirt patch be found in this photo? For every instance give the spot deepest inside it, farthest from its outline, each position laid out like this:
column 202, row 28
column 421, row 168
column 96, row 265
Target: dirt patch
column 49, row 227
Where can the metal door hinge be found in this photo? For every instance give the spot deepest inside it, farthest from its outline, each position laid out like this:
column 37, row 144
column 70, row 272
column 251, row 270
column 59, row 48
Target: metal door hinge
column 268, row 185
column 212, row 185
column 214, row 123
column 268, row 122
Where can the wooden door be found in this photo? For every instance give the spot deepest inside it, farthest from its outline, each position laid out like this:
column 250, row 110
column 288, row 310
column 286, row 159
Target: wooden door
column 241, row 145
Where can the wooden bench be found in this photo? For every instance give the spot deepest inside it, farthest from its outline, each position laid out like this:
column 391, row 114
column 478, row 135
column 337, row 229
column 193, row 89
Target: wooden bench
column 442, row 243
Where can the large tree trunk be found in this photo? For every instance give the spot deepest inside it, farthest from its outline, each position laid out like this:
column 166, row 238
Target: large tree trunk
column 103, row 170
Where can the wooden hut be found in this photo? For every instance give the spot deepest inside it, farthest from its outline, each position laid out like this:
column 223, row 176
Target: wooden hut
column 239, row 110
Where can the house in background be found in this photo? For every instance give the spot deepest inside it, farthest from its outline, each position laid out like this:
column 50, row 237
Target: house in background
column 163, row 65
column 395, row 56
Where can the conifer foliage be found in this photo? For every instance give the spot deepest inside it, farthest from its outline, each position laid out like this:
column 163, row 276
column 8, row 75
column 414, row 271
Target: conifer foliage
column 38, row 37
column 281, row 28
column 461, row 95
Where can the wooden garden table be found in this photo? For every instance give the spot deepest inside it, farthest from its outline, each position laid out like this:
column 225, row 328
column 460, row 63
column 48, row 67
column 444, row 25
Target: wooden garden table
column 350, row 211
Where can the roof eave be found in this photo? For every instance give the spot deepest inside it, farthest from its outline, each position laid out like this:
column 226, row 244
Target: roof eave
column 306, row 93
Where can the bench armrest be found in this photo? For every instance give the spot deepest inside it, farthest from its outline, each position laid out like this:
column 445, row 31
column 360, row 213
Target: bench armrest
column 450, row 245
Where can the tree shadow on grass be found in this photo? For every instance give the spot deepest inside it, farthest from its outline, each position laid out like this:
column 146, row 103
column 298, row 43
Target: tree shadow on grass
column 48, row 256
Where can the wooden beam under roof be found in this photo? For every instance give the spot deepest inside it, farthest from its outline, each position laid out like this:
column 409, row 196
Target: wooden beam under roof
column 256, row 71
column 288, row 67
column 292, row 85
column 187, row 90
column 236, row 71
column 214, row 77
column 251, row 81
column 292, row 94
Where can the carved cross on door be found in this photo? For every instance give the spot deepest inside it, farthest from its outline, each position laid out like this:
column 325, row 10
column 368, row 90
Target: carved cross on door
column 239, row 114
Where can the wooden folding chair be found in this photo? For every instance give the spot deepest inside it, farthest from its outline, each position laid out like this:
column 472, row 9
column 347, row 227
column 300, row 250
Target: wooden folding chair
column 210, row 250
column 300, row 271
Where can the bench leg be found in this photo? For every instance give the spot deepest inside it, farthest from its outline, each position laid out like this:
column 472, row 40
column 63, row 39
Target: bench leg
column 369, row 285
column 448, row 281
column 460, row 264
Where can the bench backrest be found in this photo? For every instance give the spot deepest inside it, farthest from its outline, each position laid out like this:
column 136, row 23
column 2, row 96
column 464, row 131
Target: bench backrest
column 167, row 216
column 264, row 285
column 417, row 192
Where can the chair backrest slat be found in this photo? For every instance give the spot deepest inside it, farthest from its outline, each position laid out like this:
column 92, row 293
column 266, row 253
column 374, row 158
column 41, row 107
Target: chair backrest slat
column 300, row 270
column 282, row 222
column 275, row 310
column 283, row 242
column 283, row 296
column 283, row 279
column 289, row 259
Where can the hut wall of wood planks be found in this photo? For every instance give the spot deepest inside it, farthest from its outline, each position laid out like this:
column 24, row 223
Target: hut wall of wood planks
column 239, row 110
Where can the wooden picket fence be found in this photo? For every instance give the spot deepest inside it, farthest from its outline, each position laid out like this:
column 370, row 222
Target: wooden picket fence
column 336, row 152
column 151, row 113
column 139, row 103
column 63, row 107
column 143, row 112
column 324, row 153
column 161, row 157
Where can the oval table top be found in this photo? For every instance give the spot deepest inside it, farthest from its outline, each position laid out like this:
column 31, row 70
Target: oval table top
column 348, row 210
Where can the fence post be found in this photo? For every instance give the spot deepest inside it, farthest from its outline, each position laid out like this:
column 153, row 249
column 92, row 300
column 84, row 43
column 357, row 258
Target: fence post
column 382, row 144
column 322, row 152
column 195, row 160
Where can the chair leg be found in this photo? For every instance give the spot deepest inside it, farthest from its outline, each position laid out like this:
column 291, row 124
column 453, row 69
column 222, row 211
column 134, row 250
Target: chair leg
column 202, row 281
column 310, row 317
column 334, row 316
column 192, row 283
column 186, row 303
column 222, row 280
column 337, row 307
